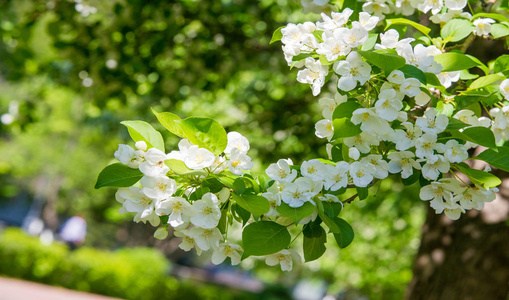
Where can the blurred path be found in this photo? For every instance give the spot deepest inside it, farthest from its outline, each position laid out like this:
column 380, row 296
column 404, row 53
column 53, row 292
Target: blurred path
column 15, row 289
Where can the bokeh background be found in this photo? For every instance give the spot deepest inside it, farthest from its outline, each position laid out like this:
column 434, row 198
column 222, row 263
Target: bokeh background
column 70, row 71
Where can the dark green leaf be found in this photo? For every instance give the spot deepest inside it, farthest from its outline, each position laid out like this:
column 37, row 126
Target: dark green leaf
column 386, row 59
column 362, row 192
column 345, row 235
column 479, row 135
column 314, row 241
column 118, row 175
column 296, row 213
column 413, row 72
column 498, row 159
column 264, row 238
column 345, row 109
column 257, row 205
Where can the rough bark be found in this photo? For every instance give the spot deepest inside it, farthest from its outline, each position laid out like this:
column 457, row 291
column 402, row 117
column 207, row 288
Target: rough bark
column 466, row 259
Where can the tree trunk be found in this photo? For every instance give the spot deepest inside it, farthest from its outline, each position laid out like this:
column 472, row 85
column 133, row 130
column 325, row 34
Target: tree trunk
column 467, row 259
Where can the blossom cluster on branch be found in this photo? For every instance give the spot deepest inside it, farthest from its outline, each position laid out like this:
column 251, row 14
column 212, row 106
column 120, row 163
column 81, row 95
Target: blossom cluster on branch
column 405, row 107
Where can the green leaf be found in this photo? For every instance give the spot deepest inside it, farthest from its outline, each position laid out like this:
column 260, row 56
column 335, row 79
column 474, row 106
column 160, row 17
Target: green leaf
column 499, row 30
column 143, row 131
column 457, row 29
column 386, row 59
column 498, row 17
column 400, row 21
column 479, row 177
column 370, row 43
column 485, row 80
column 257, row 205
column 336, row 153
column 180, row 168
column 455, row 124
column 264, row 238
column 277, row 35
column 445, row 108
column 296, row 213
column 333, row 227
column 345, row 235
column 498, row 159
column 454, row 61
column 345, row 128
column 477, row 134
column 206, row 133
column 412, row 178
column 172, row 122
column 240, row 214
column 432, row 79
column 362, row 192
column 314, row 241
column 501, row 64
column 213, row 184
column 118, row 175
column 345, row 109
column 413, row 72
column 332, row 209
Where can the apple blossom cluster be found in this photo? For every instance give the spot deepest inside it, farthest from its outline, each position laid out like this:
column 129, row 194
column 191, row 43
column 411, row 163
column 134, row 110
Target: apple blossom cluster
column 158, row 194
column 391, row 115
column 333, row 44
column 386, row 118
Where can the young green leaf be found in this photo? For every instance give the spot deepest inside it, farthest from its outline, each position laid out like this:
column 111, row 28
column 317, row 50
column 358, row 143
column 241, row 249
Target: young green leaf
column 457, row 29
column 180, row 168
column 206, row 133
column 172, row 122
column 485, row 80
column 345, row 128
column 479, row 177
column 118, row 175
column 499, row 30
column 143, row 131
column 400, row 21
column 455, row 61
column 277, row 35
column 264, row 238
column 501, row 64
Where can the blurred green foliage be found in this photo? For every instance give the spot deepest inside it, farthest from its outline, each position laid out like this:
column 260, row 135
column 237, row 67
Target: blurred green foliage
column 68, row 79
column 124, row 273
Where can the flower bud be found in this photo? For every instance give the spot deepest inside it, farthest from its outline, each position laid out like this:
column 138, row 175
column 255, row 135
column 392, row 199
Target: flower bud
column 161, row 233
column 141, row 145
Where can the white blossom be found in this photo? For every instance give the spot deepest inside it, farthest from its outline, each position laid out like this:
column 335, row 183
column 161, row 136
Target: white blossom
column 336, row 176
column 283, row 258
column 281, row 171
column 238, row 162
column 483, row 26
column 207, row 212
column 236, row 140
column 225, row 250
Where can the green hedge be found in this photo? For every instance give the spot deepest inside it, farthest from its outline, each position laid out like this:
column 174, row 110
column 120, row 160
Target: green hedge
column 137, row 273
